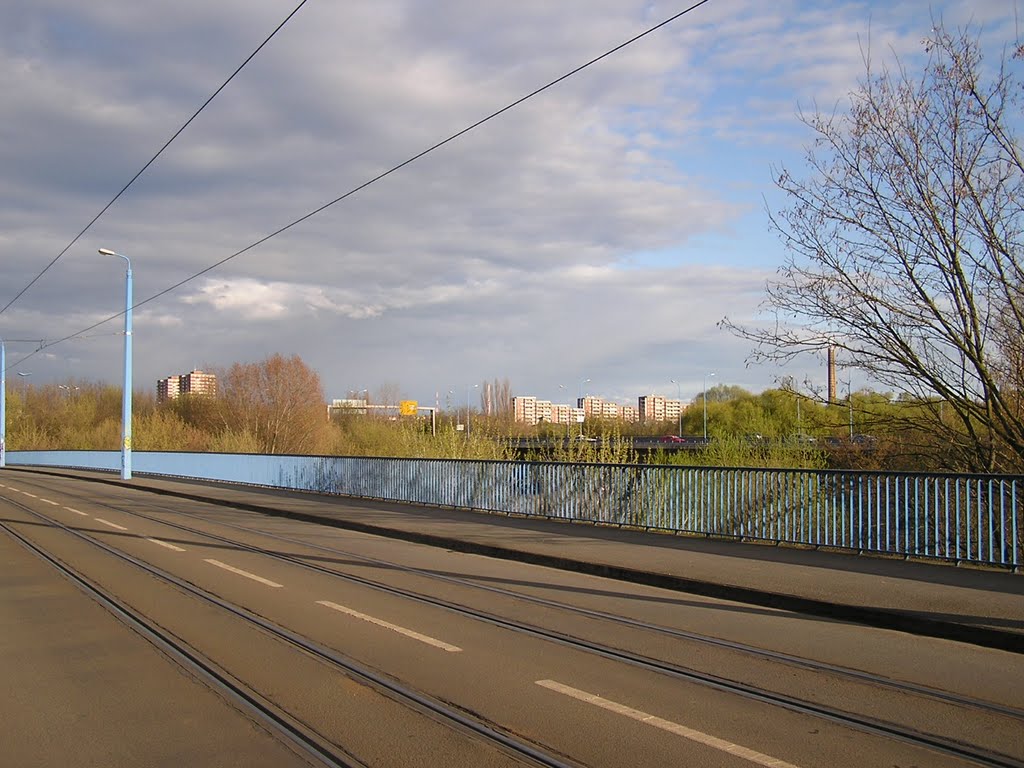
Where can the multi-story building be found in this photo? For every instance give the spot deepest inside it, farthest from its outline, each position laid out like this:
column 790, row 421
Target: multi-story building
column 194, row 383
column 530, row 410
column 566, row 414
column 199, row 383
column 168, row 389
column 524, row 409
column 544, row 410
column 593, row 406
column 651, row 407
column 659, row 408
column 674, row 409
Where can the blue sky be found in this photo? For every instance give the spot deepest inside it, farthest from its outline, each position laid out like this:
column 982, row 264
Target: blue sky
column 601, row 230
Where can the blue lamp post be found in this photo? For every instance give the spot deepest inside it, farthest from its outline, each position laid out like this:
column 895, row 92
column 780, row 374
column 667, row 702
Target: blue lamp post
column 579, row 400
column 3, row 404
column 126, row 395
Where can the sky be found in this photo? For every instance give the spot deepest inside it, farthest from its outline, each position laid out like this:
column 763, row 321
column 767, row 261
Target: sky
column 600, row 230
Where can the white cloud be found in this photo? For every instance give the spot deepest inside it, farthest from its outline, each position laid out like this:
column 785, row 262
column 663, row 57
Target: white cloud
column 501, row 254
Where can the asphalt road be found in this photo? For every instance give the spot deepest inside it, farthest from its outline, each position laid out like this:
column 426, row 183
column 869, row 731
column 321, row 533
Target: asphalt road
column 388, row 653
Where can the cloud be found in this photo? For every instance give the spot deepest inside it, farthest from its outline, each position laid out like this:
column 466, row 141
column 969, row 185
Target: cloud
column 520, row 249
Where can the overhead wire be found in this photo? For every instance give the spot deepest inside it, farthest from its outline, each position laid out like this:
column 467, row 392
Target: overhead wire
column 388, row 172
column 151, row 160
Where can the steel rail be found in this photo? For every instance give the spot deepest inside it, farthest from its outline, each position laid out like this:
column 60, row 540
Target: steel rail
column 278, row 721
column 764, row 653
column 841, row 717
column 403, row 694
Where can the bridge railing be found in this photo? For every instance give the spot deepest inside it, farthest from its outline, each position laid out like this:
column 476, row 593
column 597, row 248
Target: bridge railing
column 960, row 518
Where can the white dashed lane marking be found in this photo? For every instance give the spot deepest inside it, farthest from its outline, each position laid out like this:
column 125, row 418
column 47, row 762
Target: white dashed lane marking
column 394, row 628
column 667, row 725
column 54, row 503
column 115, row 526
column 72, row 509
column 240, row 572
column 30, row 495
column 166, row 544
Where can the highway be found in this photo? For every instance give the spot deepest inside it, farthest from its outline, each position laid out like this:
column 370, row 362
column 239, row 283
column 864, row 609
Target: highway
column 147, row 629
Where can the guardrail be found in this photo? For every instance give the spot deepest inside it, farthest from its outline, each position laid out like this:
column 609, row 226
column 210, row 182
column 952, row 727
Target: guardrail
column 959, row 518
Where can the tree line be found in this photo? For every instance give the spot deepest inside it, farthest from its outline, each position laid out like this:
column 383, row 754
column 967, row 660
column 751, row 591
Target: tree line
column 277, row 406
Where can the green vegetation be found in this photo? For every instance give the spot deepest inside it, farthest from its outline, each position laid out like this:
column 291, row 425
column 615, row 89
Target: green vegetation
column 256, row 413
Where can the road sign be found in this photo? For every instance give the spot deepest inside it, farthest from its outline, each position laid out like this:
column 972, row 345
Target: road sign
column 408, row 407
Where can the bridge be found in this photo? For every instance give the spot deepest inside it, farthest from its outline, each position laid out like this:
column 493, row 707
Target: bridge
column 359, row 629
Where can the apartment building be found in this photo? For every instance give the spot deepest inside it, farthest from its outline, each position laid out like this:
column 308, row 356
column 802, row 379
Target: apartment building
column 649, row 408
column 524, row 409
column 531, row 410
column 652, row 408
column 193, row 383
column 629, row 413
column 566, row 414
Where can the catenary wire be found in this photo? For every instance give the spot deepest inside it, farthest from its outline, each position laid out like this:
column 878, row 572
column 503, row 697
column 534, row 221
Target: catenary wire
column 151, row 160
column 384, row 174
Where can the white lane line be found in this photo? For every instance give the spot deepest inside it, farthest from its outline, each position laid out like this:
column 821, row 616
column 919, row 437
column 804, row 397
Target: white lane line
column 165, row 544
column 30, row 495
column 54, row 503
column 667, row 725
column 394, row 628
column 72, row 509
column 115, row 526
column 240, row 572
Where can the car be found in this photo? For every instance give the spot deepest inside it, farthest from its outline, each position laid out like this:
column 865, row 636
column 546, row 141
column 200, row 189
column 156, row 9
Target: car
column 672, row 439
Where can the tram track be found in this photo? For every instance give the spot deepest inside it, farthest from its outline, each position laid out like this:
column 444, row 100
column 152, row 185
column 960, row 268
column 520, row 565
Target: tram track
column 814, row 665
column 287, row 725
column 865, row 724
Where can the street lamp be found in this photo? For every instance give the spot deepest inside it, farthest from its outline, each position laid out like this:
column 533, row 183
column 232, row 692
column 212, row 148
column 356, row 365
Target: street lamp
column 568, row 417
column 705, row 398
column 679, row 404
column 3, row 404
column 126, row 394
column 579, row 402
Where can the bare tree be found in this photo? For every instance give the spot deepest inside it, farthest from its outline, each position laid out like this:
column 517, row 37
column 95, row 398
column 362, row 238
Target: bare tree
column 496, row 397
column 278, row 401
column 905, row 246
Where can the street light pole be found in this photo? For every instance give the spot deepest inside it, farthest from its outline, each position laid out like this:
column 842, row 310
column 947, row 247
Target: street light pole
column 3, row 404
column 705, row 398
column 568, row 418
column 579, row 401
column 126, row 394
column 679, row 404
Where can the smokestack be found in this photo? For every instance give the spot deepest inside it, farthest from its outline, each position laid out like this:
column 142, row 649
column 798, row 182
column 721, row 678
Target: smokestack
column 831, row 375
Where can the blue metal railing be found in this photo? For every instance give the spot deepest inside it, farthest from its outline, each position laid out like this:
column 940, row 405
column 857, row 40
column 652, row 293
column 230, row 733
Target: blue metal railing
column 961, row 518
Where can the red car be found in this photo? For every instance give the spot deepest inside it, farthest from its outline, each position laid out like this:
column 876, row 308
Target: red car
column 673, row 439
